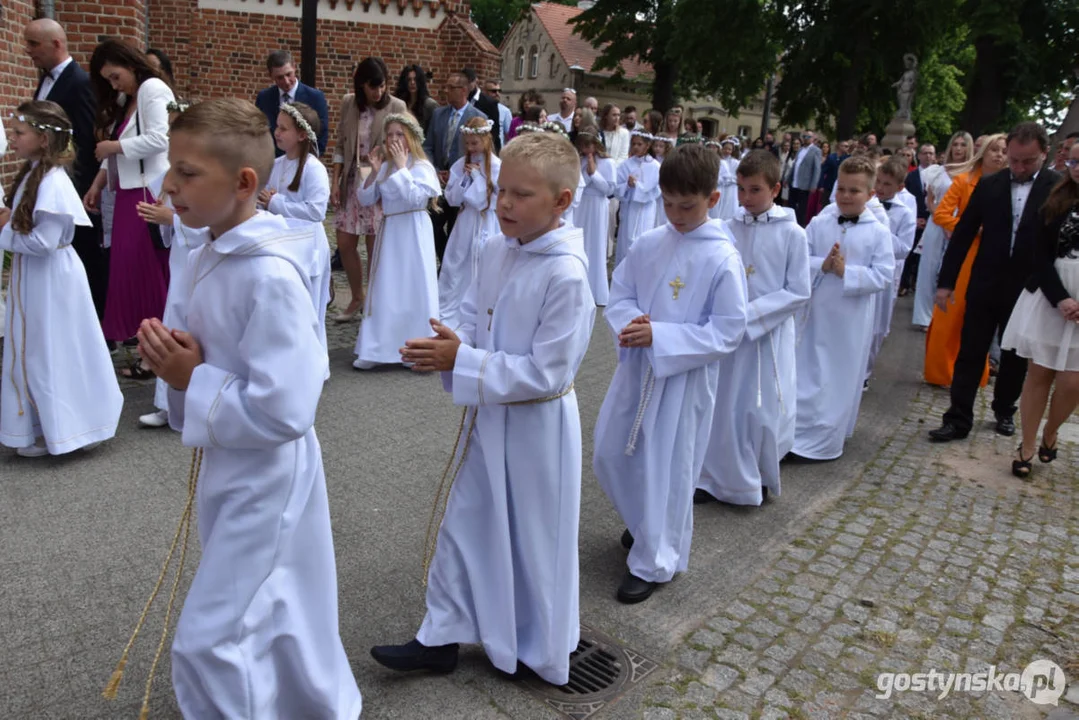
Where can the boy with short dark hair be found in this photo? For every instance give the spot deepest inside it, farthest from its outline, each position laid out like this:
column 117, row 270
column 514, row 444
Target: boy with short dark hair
column 753, row 426
column 678, row 305
column 850, row 260
column 902, row 225
column 504, row 571
column 258, row 636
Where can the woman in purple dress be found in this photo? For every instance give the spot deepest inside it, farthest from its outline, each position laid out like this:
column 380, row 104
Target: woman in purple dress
column 133, row 144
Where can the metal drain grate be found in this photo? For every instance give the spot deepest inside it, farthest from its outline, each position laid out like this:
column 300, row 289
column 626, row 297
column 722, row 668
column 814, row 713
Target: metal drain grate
column 600, row 671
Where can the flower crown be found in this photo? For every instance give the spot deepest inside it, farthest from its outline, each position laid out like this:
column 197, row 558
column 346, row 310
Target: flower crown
column 405, row 120
column 529, row 127
column 731, row 140
column 43, row 127
column 177, row 106
column 642, row 134
column 663, row 139
column 482, row 130
column 711, row 143
column 305, row 127
column 553, row 126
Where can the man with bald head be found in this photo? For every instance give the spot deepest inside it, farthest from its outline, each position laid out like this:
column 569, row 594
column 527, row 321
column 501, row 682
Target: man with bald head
column 590, row 103
column 68, row 85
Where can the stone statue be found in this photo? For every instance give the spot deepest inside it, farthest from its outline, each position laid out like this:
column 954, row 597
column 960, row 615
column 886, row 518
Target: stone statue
column 905, row 86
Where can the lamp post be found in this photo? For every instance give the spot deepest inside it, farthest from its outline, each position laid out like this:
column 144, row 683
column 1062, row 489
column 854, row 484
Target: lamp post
column 308, row 48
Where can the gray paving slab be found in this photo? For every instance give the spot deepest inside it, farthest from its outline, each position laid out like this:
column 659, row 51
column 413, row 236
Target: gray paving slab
column 82, row 538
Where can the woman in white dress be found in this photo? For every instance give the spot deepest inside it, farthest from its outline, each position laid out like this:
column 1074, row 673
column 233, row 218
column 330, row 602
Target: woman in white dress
column 937, row 179
column 473, row 187
column 1044, row 326
column 402, row 294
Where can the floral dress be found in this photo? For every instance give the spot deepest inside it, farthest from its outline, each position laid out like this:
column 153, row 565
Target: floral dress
column 352, row 217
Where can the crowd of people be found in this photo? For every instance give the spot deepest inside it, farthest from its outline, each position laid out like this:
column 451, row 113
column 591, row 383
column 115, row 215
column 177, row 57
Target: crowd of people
column 751, row 292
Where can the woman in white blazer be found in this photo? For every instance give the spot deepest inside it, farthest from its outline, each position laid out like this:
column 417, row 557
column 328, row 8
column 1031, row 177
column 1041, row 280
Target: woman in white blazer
column 133, row 144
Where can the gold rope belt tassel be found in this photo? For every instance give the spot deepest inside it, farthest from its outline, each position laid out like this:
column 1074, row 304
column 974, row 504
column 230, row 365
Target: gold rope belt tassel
column 445, row 485
column 182, row 530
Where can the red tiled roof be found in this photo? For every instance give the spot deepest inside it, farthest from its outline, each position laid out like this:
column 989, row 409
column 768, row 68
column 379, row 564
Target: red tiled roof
column 573, row 48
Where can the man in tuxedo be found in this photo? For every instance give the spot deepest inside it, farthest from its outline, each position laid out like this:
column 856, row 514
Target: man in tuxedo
column 1004, row 209
column 65, row 83
column 915, row 184
column 287, row 88
column 443, row 146
column 806, row 177
column 485, row 104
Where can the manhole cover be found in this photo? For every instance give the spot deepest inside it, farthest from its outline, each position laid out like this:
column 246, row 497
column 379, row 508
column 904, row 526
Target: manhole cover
column 600, row 671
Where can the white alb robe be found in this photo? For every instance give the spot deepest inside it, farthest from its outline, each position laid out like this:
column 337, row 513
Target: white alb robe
column 58, row 381
column 476, row 222
column 836, row 328
column 258, row 635
column 402, row 295
column 902, row 225
column 937, row 181
column 637, row 205
column 307, row 203
column 569, row 215
column 758, row 391
column 505, row 570
column 653, row 427
column 593, row 217
column 727, row 184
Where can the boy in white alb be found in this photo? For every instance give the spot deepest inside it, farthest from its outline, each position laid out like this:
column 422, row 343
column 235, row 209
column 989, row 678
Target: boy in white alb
column 755, row 406
column 902, row 224
column 258, row 636
column 504, row 571
column 678, row 305
column 637, row 190
column 851, row 261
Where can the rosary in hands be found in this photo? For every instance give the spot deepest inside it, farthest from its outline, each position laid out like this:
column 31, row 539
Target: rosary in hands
column 637, row 334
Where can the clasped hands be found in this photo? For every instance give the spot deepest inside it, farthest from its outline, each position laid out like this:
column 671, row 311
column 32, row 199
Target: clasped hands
column 172, row 354
column 835, row 263
column 637, row 334
column 437, row 353
column 1069, row 308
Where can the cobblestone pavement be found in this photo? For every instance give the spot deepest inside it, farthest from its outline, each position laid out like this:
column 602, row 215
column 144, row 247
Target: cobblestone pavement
column 935, row 558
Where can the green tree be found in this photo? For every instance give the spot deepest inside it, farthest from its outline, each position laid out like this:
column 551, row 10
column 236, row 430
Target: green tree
column 940, row 94
column 495, row 17
column 725, row 49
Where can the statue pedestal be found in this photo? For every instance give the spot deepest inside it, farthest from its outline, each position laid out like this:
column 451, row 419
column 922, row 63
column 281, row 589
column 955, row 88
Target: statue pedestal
column 895, row 135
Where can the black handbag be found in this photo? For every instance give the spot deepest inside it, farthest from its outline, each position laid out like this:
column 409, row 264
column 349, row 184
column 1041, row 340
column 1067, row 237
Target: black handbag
column 154, row 228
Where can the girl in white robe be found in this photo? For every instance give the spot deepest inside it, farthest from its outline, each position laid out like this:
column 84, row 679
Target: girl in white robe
column 473, row 187
column 299, row 189
column 593, row 216
column 727, row 183
column 755, row 406
column 654, row 424
column 58, row 388
column 661, row 145
column 836, row 329
column 637, row 190
column 402, row 293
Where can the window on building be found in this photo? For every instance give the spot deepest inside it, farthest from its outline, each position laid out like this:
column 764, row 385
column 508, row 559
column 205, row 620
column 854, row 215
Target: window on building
column 553, row 64
column 520, row 63
column 745, row 130
column 533, row 62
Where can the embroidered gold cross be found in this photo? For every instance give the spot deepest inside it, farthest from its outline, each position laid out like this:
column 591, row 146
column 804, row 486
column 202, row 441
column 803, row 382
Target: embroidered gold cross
column 750, row 270
column 677, row 285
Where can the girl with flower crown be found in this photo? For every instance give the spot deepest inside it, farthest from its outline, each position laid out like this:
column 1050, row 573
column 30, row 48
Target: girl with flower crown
column 637, row 189
column 727, row 182
column 593, row 216
column 48, row 404
column 473, row 187
column 402, row 294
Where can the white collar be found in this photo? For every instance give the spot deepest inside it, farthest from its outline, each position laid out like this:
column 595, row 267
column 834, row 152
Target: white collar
column 57, row 71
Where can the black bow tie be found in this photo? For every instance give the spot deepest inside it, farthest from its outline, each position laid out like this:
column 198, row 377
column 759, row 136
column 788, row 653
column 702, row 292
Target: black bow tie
column 887, row 204
column 1017, row 181
column 750, row 219
column 844, row 219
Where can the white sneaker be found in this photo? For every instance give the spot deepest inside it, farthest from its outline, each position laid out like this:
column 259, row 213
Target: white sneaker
column 34, row 450
column 155, row 419
column 363, row 364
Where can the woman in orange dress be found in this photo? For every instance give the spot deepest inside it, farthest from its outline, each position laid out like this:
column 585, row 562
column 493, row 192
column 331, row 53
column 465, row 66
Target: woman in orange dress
column 942, row 340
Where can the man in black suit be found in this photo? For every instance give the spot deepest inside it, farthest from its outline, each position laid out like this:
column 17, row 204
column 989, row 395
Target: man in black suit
column 927, row 157
column 1004, row 208
column 68, row 85
column 485, row 104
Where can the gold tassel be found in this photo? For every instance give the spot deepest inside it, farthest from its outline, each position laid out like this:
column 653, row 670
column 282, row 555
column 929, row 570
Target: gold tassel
column 182, row 530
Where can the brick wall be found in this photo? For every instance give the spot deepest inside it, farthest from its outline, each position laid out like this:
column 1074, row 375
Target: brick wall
column 17, row 76
column 88, row 23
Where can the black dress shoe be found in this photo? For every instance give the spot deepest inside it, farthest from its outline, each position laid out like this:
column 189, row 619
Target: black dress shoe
column 701, row 496
column 1005, row 425
column 627, row 539
column 634, row 590
column 946, row 433
column 414, row 656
